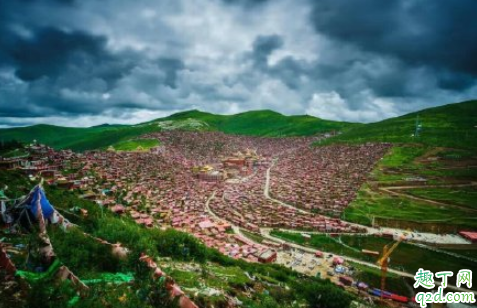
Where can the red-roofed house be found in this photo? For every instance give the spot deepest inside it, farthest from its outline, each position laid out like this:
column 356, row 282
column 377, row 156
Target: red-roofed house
column 471, row 236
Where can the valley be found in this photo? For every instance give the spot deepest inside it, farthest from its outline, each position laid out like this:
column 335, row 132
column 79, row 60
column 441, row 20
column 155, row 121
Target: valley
column 222, row 209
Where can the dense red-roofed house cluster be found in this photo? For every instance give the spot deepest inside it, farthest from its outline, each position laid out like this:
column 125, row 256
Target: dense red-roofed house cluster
column 324, row 178
column 159, row 188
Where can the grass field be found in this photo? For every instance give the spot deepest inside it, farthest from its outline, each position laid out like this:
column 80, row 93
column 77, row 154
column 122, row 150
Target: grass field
column 447, row 175
column 403, row 156
column 320, row 242
column 135, row 145
column 410, row 213
column 404, row 161
column 14, row 183
column 456, row 154
column 406, row 257
column 212, row 275
column 398, row 163
column 464, row 196
column 436, row 166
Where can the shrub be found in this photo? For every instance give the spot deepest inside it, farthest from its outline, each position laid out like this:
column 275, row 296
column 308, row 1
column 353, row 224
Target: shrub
column 325, row 295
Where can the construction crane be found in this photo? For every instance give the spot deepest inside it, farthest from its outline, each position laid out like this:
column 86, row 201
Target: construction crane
column 384, row 261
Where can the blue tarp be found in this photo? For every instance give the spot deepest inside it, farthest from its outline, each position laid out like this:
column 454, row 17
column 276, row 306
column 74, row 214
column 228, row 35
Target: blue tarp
column 46, row 206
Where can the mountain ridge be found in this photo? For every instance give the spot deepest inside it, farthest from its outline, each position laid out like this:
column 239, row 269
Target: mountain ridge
column 255, row 123
column 451, row 125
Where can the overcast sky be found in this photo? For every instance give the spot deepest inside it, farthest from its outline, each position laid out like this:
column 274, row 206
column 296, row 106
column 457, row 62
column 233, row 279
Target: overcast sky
column 88, row 62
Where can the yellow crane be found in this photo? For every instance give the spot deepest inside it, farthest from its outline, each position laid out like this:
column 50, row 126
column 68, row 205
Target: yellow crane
column 384, row 261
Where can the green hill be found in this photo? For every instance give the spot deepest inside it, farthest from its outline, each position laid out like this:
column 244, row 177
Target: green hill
column 262, row 123
column 75, row 138
column 256, row 123
column 453, row 125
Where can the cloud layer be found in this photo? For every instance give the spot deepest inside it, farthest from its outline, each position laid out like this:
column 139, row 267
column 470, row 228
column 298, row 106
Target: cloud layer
column 80, row 63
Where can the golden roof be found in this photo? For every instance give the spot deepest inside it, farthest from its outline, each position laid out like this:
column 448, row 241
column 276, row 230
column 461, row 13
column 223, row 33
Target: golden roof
column 207, row 168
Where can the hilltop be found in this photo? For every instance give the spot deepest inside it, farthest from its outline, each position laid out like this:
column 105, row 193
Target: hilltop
column 262, row 123
column 452, row 125
column 255, row 123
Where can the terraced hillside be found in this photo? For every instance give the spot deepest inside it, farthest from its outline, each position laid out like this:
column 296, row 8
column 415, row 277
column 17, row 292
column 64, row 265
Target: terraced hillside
column 420, row 187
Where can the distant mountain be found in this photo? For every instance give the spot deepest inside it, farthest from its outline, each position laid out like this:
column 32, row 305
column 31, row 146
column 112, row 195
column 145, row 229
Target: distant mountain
column 255, row 123
column 453, row 125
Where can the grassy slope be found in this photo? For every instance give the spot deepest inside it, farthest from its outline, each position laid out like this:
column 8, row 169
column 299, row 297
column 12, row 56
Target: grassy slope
column 263, row 123
column 135, row 144
column 76, row 138
column 404, row 162
column 452, row 125
column 464, row 196
column 256, row 123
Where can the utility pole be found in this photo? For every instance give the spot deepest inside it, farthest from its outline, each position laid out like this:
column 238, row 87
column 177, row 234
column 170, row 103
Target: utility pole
column 418, row 127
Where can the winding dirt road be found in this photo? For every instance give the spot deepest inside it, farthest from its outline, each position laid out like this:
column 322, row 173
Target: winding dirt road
column 423, row 237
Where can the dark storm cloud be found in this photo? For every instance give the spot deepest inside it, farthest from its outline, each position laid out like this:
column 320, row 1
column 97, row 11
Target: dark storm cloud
column 289, row 70
column 64, row 71
column 51, row 50
column 263, row 46
column 58, row 69
column 418, row 32
column 130, row 61
column 171, row 66
column 456, row 81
